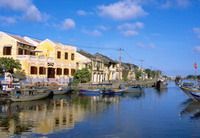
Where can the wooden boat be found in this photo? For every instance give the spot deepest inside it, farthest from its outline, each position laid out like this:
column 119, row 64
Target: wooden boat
column 61, row 91
column 87, row 92
column 195, row 95
column 191, row 89
column 112, row 92
column 134, row 89
column 28, row 95
column 161, row 84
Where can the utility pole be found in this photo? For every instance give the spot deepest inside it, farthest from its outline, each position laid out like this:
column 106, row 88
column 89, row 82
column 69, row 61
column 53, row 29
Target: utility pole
column 141, row 60
column 120, row 62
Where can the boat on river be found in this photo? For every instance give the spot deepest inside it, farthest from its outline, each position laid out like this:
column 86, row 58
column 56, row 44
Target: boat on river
column 20, row 95
column 98, row 92
column 61, row 90
column 134, row 89
column 113, row 92
column 90, row 92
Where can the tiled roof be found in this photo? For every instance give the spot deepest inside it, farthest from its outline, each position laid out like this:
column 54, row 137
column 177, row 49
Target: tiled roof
column 86, row 54
column 105, row 58
column 20, row 39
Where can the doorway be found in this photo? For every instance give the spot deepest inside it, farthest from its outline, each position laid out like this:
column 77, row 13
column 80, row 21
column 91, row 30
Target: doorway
column 51, row 73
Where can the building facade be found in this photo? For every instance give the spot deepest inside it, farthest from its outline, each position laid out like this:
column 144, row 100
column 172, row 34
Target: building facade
column 94, row 64
column 42, row 61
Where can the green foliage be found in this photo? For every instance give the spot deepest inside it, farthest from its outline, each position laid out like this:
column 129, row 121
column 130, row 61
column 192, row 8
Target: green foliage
column 125, row 75
column 138, row 74
column 9, row 64
column 149, row 73
column 82, row 76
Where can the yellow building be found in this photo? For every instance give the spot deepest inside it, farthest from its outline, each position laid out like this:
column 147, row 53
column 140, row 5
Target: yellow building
column 42, row 61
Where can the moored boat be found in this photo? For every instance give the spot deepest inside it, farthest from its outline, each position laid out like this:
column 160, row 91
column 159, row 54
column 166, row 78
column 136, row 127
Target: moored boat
column 88, row 92
column 28, row 95
column 134, row 89
column 194, row 95
column 112, row 92
column 61, row 90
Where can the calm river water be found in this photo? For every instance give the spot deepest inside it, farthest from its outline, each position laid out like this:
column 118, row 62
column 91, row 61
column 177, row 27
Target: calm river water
column 150, row 114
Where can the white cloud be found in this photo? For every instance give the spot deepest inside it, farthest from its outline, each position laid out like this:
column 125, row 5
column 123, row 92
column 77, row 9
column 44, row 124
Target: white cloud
column 7, row 20
column 68, row 24
column 197, row 31
column 94, row 32
column 81, row 13
column 103, row 28
column 130, row 29
column 29, row 10
column 149, row 46
column 122, row 10
column 175, row 3
column 183, row 3
column 197, row 49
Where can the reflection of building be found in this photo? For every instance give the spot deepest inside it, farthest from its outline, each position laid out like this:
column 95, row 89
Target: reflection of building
column 42, row 61
column 48, row 116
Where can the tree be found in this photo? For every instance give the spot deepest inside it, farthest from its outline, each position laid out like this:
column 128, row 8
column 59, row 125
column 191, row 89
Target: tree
column 82, row 76
column 138, row 74
column 149, row 73
column 9, row 64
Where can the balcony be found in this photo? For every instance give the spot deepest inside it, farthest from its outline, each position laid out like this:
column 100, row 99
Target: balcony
column 35, row 58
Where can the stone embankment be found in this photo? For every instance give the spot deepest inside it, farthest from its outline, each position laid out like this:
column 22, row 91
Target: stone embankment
column 116, row 84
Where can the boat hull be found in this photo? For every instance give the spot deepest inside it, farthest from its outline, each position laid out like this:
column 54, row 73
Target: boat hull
column 90, row 92
column 60, row 92
column 29, row 97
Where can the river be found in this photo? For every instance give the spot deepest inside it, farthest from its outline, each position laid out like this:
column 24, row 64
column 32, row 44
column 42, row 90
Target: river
column 149, row 114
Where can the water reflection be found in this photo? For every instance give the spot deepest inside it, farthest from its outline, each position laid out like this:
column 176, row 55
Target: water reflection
column 50, row 115
column 161, row 92
column 191, row 108
column 135, row 95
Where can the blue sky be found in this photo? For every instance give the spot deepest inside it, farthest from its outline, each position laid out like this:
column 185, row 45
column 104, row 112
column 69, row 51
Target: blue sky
column 165, row 34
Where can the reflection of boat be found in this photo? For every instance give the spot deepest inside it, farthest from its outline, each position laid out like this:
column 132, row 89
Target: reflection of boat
column 28, row 95
column 88, row 92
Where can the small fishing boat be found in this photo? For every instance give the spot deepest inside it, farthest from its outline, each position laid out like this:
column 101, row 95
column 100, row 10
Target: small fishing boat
column 134, row 89
column 195, row 95
column 87, row 92
column 61, row 90
column 161, row 84
column 112, row 92
column 191, row 89
column 28, row 95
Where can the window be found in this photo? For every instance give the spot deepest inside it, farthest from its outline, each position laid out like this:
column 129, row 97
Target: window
column 72, row 72
column 59, row 71
column 58, row 54
column 20, row 51
column 7, row 50
column 66, row 55
column 26, row 52
column 42, row 70
column 33, row 70
column 66, row 71
column 72, row 56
